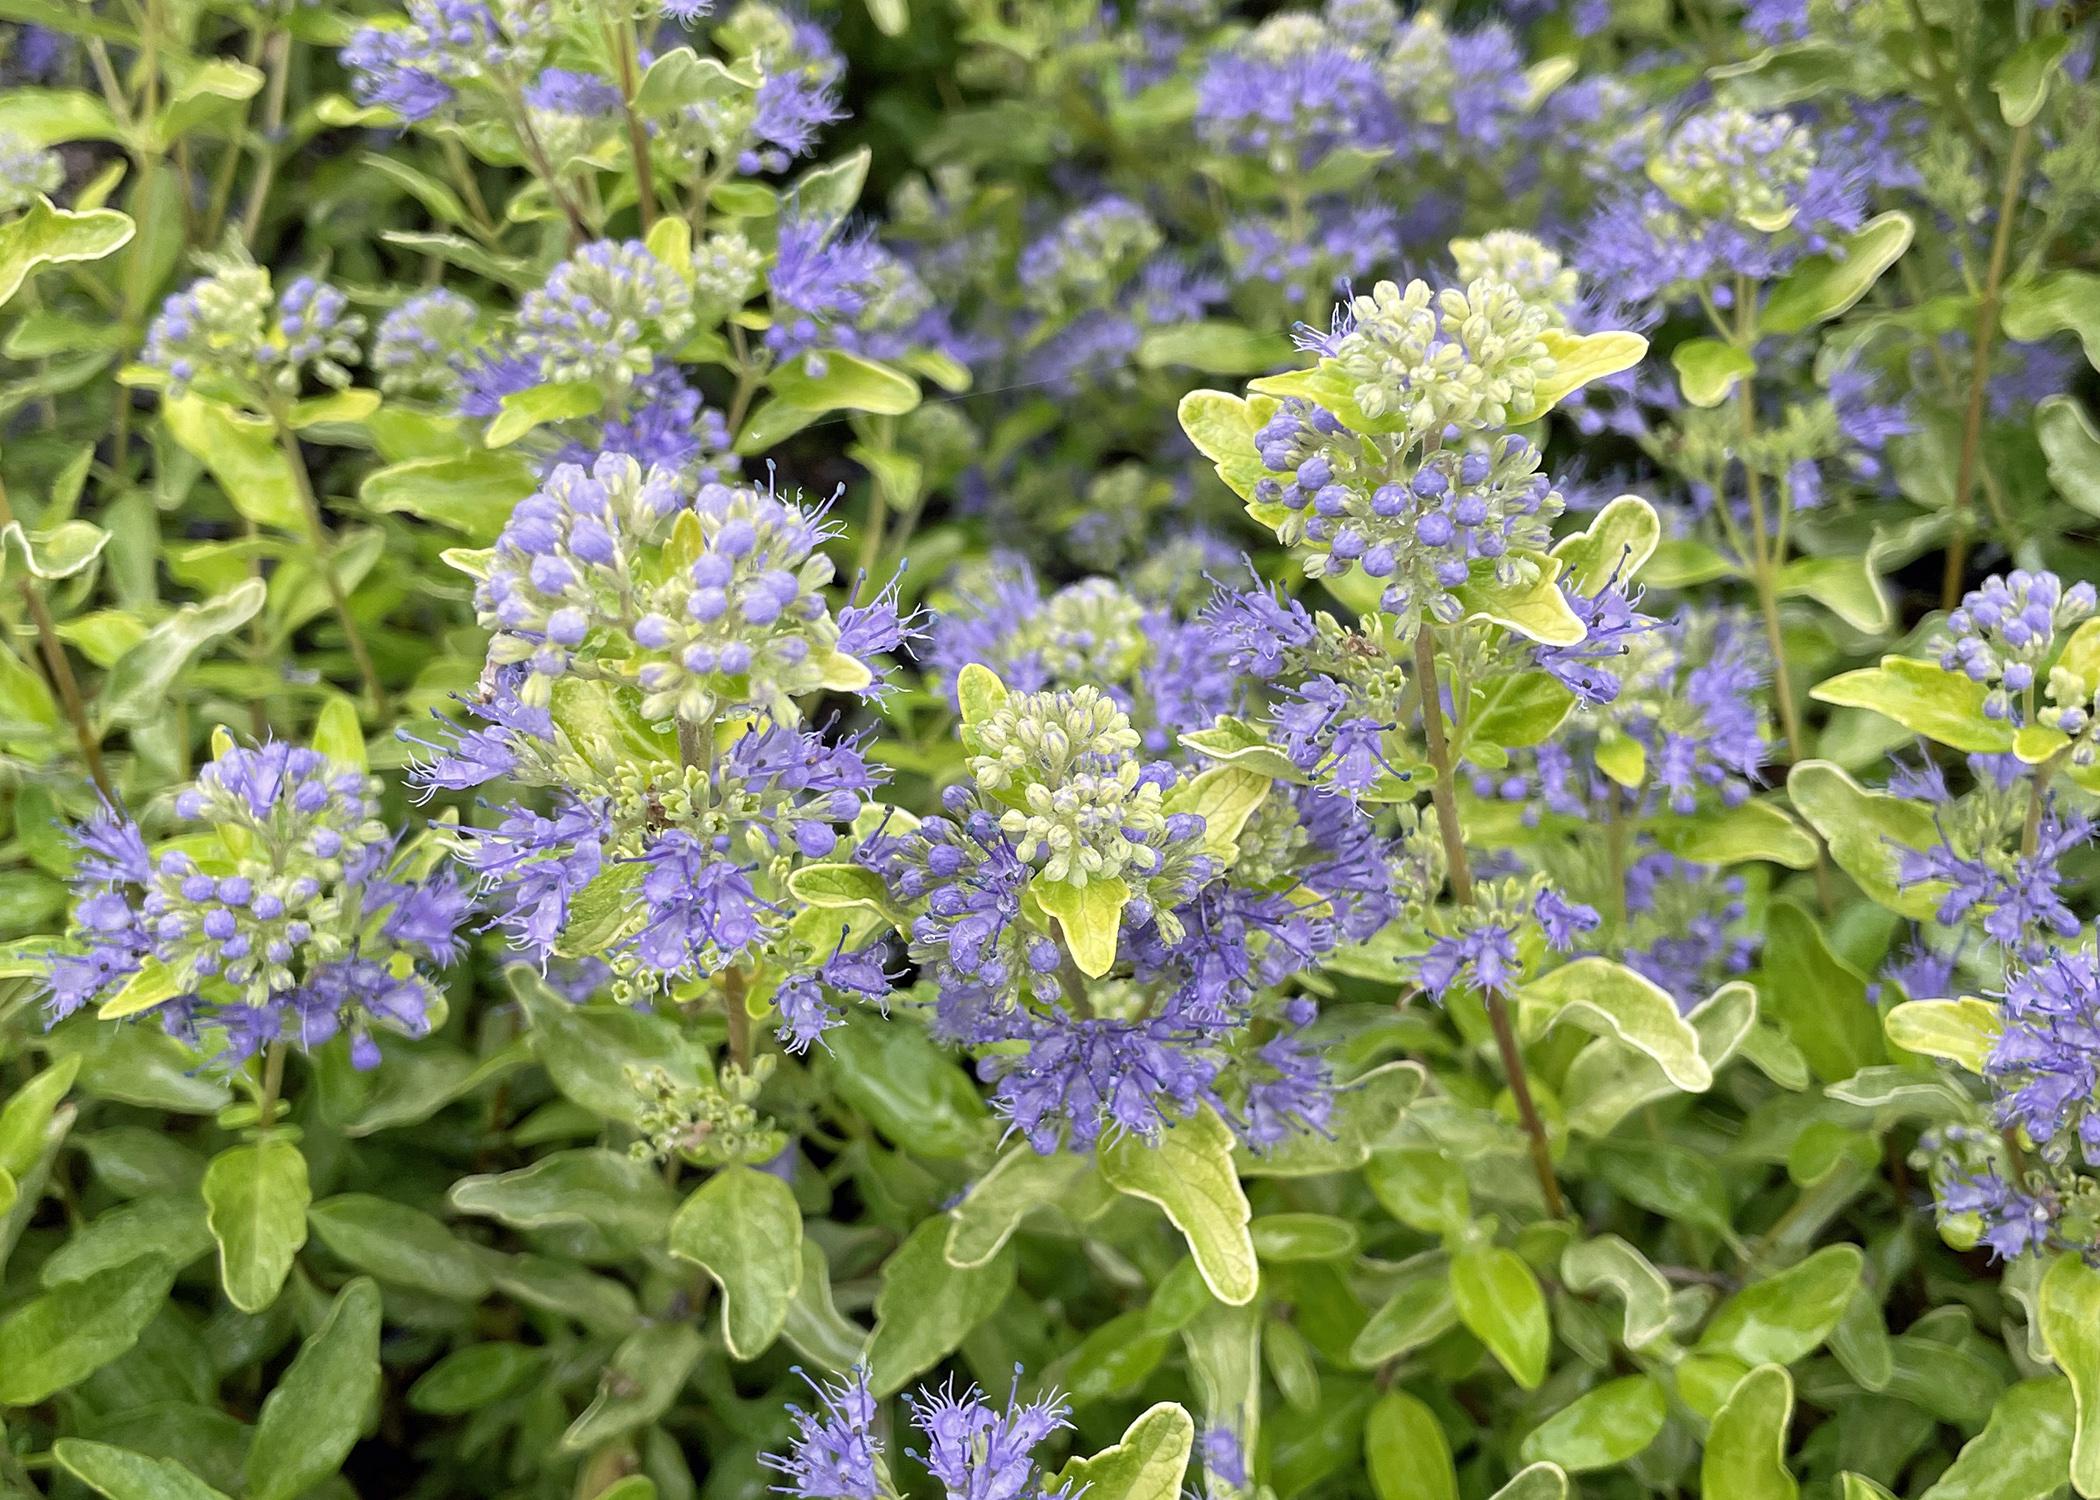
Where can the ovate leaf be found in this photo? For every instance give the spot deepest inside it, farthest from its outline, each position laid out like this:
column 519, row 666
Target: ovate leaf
column 742, row 1227
column 1924, row 698
column 312, row 1417
column 1745, row 1457
column 1090, row 917
column 1961, row 1031
column 48, row 236
column 255, row 1200
column 59, row 1339
column 1609, row 999
column 1602, row 1427
column 2068, row 1311
column 927, row 1307
column 1188, row 1172
column 1500, row 1301
column 1782, row 1318
column 1707, row 369
column 1146, row 1464
column 120, row 1474
column 1823, row 286
column 1406, row 1452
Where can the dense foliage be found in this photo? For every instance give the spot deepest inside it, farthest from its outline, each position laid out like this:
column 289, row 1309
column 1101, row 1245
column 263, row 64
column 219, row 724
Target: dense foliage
column 939, row 747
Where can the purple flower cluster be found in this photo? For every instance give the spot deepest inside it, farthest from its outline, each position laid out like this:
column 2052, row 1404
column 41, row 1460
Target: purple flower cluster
column 280, row 912
column 974, row 1450
column 418, row 68
column 2006, row 629
column 2044, row 1067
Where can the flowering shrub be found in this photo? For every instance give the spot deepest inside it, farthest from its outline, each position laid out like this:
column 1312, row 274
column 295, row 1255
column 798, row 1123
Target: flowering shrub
column 917, row 747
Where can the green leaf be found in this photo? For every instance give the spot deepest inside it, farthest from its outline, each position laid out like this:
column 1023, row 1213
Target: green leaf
column 1222, row 427
column 1600, row 1428
column 1863, row 830
column 829, row 192
column 1848, row 587
column 1516, row 709
column 472, row 1376
column 1406, row 1452
column 912, row 1091
column 1419, row 1311
column 1782, row 1318
column 255, row 1200
column 605, row 1191
column 837, row 381
column 638, row 1384
column 1018, row 1182
column 60, row 552
column 1924, row 698
column 1745, row 1457
column 1732, row 835
column 312, row 1417
column 2023, row 1452
column 338, row 735
column 1608, row 1263
column 1215, row 348
column 1818, row 999
column 680, row 80
column 588, row 1049
column 845, row 887
column 1147, row 1463
column 1607, row 1081
column 137, row 687
column 1090, row 916
column 2071, row 444
column 151, row 983
column 48, row 117
column 120, row 1474
column 1580, row 358
column 2021, row 82
column 1609, row 999
column 979, row 694
column 1540, row 1481
column 1238, row 743
column 742, row 1227
column 1289, row 1237
column 1500, row 1302
column 202, row 94
column 402, row 1246
column 59, row 1339
column 2063, row 299
column 48, row 236
column 470, row 493
column 522, row 411
column 815, row 1327
column 2068, row 1312
column 1616, row 544
column 167, row 1225
column 1536, row 610
column 1188, row 1172
column 1823, row 286
column 1225, row 797
column 242, row 453
column 1961, row 1031
column 27, row 1115
column 1707, row 369
column 926, row 1307
column 1423, row 1189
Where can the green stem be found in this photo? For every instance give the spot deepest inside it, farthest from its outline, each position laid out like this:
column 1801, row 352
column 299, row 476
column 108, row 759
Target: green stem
column 324, row 564
column 272, row 1087
column 279, row 68
column 60, row 668
column 1460, row 875
column 1981, row 342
